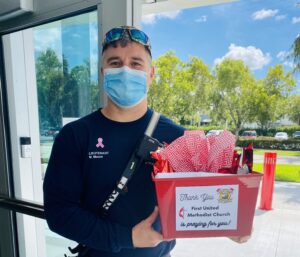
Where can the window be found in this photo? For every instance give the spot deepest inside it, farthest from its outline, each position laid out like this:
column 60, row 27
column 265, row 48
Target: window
column 52, row 79
column 66, row 62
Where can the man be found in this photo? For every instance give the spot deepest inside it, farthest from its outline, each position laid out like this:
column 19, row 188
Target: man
column 90, row 155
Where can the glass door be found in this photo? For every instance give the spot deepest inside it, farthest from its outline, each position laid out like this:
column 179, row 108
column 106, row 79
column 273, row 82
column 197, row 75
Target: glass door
column 52, row 78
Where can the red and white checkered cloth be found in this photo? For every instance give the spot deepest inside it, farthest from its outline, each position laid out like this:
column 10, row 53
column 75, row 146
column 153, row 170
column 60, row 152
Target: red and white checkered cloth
column 195, row 152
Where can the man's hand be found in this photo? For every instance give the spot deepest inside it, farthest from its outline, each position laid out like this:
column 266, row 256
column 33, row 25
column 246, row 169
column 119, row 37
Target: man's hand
column 143, row 235
column 240, row 239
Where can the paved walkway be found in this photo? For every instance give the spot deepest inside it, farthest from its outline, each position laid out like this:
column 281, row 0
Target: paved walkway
column 276, row 233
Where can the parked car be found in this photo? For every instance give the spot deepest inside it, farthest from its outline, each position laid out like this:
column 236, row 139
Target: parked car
column 249, row 134
column 52, row 131
column 281, row 136
column 214, row 132
column 55, row 134
column 296, row 134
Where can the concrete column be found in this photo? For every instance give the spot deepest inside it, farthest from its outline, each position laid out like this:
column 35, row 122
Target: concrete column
column 114, row 13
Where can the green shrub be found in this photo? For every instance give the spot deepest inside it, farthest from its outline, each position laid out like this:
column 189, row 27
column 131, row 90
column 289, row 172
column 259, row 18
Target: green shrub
column 270, row 143
column 260, row 132
column 288, row 129
column 205, row 128
column 272, row 131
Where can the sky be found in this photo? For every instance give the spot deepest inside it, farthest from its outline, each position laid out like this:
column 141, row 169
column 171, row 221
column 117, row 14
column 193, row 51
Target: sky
column 260, row 32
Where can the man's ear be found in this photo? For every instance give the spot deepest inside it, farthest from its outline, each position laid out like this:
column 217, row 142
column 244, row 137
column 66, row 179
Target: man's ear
column 152, row 72
column 101, row 70
column 150, row 76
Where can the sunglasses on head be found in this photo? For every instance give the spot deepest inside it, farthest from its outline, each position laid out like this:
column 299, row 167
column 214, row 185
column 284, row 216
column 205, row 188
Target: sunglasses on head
column 135, row 35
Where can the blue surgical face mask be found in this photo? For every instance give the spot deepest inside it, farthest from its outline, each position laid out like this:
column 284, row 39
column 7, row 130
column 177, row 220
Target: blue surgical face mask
column 124, row 86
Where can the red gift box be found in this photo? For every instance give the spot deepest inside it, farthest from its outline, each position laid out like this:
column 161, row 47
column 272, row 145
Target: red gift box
column 210, row 205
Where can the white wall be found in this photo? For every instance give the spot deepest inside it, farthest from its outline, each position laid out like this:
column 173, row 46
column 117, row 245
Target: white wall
column 46, row 10
column 23, row 119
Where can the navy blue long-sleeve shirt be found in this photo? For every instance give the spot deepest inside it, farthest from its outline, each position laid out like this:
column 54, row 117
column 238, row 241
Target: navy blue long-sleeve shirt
column 87, row 160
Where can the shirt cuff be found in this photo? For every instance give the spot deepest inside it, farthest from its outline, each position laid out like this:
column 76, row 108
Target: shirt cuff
column 125, row 237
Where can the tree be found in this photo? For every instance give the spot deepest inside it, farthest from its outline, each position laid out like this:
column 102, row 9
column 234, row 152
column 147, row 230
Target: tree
column 271, row 101
column 296, row 53
column 201, row 79
column 231, row 94
column 81, row 80
column 269, row 96
column 178, row 90
column 63, row 93
column 279, row 83
column 264, row 103
column 50, row 83
column 81, row 93
column 294, row 108
column 70, row 93
column 161, row 93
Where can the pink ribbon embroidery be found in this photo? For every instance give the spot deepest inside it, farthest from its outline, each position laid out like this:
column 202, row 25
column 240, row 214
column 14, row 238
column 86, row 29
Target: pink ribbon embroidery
column 100, row 143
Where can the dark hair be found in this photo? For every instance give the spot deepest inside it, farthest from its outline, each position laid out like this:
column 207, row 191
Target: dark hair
column 123, row 42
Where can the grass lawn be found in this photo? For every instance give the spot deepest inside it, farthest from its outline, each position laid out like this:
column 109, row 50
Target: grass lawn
column 279, row 152
column 283, row 172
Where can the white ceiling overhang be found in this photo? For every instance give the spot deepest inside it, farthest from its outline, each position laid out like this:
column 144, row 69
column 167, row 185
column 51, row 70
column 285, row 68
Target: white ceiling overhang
column 158, row 6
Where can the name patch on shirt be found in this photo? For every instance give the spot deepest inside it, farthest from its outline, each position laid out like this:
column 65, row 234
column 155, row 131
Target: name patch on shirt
column 98, row 155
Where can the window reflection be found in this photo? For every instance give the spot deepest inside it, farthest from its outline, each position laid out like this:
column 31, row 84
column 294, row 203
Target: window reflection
column 66, row 59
